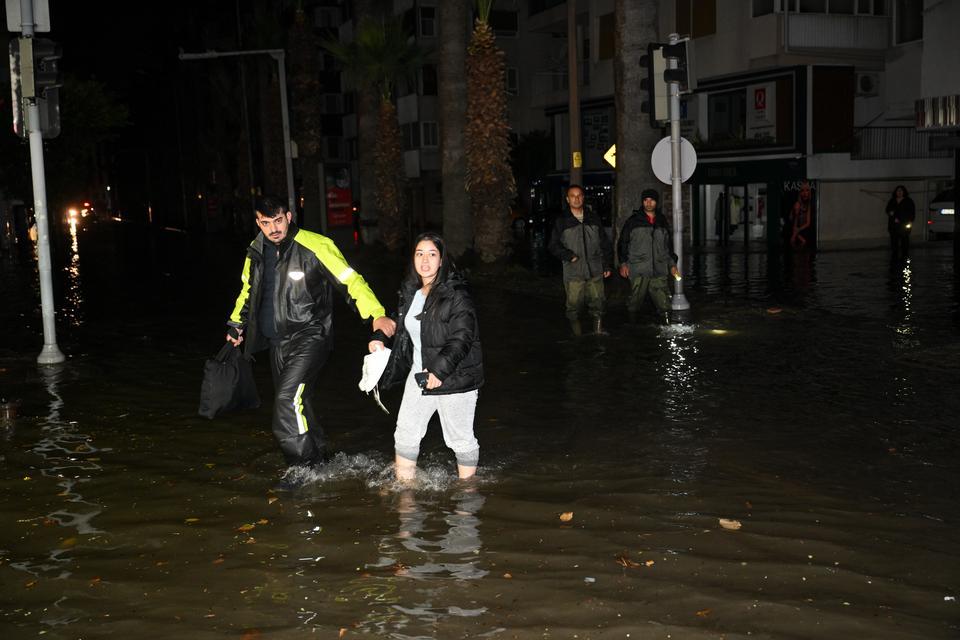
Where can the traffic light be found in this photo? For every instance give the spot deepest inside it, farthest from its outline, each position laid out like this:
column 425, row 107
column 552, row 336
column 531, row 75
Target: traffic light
column 35, row 73
column 46, row 66
column 682, row 52
column 656, row 103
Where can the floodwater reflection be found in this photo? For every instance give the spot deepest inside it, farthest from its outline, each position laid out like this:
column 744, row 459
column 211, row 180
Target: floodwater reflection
column 437, row 543
column 72, row 308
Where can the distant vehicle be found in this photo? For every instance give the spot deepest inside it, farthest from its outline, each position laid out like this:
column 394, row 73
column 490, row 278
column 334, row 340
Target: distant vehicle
column 940, row 215
column 79, row 212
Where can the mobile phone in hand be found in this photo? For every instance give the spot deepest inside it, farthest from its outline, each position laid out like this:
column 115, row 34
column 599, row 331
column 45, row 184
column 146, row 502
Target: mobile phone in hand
column 421, row 379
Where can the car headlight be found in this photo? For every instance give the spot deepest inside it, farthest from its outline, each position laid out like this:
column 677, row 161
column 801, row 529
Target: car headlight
column 946, row 212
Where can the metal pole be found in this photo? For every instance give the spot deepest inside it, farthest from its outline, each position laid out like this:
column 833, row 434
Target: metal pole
column 51, row 353
column 679, row 302
column 285, row 117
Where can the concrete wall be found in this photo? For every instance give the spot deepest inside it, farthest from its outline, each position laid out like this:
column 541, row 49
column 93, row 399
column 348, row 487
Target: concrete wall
column 941, row 49
column 853, row 214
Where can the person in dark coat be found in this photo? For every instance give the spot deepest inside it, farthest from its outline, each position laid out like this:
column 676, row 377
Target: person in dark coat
column 286, row 304
column 437, row 355
column 580, row 242
column 646, row 256
column 901, row 213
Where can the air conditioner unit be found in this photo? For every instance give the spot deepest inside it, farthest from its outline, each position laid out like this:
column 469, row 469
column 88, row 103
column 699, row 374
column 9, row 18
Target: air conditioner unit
column 868, row 84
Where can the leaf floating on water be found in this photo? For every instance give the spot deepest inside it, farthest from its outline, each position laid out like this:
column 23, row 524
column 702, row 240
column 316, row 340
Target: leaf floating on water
column 263, row 521
column 732, row 525
column 566, row 516
column 627, row 562
column 250, row 634
column 774, row 310
column 507, row 576
column 272, row 499
column 246, row 527
column 343, row 632
column 648, row 563
column 69, row 542
column 30, row 585
column 94, row 582
column 218, row 560
column 191, row 520
column 703, row 613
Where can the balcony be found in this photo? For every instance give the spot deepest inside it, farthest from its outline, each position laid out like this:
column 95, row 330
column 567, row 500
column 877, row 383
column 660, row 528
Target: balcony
column 831, row 31
column 894, row 143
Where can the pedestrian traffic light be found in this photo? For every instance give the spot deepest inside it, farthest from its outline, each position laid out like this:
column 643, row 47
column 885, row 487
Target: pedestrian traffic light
column 46, row 66
column 35, row 74
column 656, row 103
column 682, row 52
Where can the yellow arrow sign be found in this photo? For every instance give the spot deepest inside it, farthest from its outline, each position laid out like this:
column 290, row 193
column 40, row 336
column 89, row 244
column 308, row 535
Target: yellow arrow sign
column 611, row 156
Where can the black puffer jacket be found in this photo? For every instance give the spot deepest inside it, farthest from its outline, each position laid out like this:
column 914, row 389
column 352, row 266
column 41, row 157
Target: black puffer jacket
column 449, row 339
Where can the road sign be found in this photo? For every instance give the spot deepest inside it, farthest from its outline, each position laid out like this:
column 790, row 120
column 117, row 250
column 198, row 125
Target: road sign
column 660, row 160
column 41, row 16
column 611, row 156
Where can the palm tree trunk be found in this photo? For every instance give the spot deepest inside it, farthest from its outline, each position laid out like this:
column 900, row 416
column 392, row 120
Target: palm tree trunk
column 457, row 221
column 389, row 171
column 367, row 114
column 635, row 26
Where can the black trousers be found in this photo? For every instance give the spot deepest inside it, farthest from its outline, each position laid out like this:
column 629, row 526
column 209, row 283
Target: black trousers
column 899, row 244
column 295, row 364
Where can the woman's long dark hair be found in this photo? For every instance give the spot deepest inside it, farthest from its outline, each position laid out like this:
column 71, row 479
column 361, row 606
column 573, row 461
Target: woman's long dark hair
column 447, row 267
column 893, row 195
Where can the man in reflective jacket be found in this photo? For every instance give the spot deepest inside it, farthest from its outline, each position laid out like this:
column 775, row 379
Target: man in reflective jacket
column 286, row 304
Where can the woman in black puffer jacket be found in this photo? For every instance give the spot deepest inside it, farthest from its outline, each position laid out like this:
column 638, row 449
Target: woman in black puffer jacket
column 436, row 354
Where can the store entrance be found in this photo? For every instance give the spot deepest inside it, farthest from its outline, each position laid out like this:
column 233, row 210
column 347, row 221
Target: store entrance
column 734, row 215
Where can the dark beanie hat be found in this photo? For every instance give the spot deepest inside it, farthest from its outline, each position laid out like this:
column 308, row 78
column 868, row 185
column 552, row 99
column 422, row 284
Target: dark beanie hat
column 649, row 193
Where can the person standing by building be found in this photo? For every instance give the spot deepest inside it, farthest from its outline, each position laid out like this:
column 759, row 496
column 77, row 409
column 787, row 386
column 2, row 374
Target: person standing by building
column 901, row 212
column 646, row 256
column 286, row 303
column 437, row 355
column 580, row 242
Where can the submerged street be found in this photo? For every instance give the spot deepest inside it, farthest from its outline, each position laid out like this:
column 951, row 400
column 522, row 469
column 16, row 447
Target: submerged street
column 810, row 404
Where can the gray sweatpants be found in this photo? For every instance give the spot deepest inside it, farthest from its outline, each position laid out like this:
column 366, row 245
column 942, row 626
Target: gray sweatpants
column 456, row 420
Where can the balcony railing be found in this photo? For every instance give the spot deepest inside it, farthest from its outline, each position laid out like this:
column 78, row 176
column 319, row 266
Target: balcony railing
column 888, row 143
column 831, row 31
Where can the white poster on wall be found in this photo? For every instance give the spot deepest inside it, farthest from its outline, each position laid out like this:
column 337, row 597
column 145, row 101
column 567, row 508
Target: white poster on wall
column 762, row 111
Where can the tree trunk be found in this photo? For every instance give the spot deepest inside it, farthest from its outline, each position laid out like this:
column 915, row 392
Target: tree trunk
column 457, row 221
column 389, row 171
column 635, row 26
column 367, row 113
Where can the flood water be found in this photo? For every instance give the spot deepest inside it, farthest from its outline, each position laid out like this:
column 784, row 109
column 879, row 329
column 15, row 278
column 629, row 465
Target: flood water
column 813, row 402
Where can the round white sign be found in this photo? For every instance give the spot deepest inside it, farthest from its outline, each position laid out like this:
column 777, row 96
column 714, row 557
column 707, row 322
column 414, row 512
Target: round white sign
column 660, row 160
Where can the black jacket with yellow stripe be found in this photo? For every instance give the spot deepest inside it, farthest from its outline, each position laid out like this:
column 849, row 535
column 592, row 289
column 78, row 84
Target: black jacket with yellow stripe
column 308, row 272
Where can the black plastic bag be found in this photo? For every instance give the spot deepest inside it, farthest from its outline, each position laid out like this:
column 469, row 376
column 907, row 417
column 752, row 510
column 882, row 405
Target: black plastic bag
column 228, row 383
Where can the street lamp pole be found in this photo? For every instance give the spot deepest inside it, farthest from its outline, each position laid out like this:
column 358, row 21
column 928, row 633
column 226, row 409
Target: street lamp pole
column 279, row 55
column 679, row 302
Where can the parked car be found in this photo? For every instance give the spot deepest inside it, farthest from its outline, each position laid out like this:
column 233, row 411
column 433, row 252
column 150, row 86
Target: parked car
column 940, row 215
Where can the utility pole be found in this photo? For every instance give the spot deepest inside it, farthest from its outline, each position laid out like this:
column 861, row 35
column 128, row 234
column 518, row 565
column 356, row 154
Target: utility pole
column 51, row 353
column 279, row 56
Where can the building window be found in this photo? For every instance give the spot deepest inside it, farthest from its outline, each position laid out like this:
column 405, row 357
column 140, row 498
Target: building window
column 512, row 81
column 605, row 50
column 410, row 133
column 813, row 6
column 696, row 18
column 909, row 21
column 428, row 21
column 431, row 135
column 505, row 23
column 428, row 80
column 842, row 7
column 762, row 7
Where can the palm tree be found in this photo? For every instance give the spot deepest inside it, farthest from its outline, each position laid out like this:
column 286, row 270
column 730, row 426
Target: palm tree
column 457, row 221
column 635, row 26
column 489, row 176
column 380, row 53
